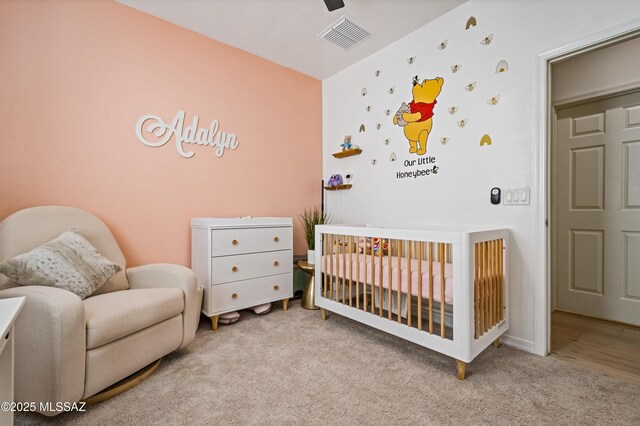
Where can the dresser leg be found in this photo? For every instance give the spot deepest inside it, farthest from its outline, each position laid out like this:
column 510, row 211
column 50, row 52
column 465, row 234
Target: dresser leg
column 324, row 313
column 285, row 304
column 214, row 322
column 496, row 343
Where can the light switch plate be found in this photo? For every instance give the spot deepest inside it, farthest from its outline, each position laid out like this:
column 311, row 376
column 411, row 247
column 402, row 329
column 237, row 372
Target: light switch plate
column 517, row 197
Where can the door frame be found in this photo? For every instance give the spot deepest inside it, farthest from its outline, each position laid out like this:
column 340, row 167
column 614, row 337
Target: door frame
column 542, row 168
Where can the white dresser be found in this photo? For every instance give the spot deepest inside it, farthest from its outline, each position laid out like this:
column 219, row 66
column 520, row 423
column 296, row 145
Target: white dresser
column 9, row 310
column 242, row 262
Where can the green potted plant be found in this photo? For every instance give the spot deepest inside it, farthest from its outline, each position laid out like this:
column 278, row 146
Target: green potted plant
column 309, row 219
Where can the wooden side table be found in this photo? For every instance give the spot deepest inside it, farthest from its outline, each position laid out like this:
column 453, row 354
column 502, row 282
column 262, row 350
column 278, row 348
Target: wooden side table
column 309, row 296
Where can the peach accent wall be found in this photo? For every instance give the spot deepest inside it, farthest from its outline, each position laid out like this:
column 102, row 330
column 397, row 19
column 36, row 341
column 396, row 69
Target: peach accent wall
column 76, row 75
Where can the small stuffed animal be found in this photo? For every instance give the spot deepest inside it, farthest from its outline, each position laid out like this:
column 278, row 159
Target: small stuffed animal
column 379, row 244
column 403, row 108
column 364, row 245
column 347, row 143
column 335, row 180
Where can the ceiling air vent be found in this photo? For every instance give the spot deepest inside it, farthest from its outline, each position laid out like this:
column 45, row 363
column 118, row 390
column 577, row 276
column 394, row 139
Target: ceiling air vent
column 344, row 33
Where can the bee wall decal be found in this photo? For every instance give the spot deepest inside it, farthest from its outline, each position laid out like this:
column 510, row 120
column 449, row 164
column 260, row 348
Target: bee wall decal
column 386, row 141
column 487, row 40
column 494, row 100
column 469, row 87
column 443, row 45
column 373, row 161
column 377, row 73
column 393, row 157
column 444, row 140
column 391, row 90
column 378, row 126
column 463, row 123
column 361, row 128
column 456, row 68
column 411, row 60
column 363, row 92
column 387, row 112
column 368, row 108
column 452, row 110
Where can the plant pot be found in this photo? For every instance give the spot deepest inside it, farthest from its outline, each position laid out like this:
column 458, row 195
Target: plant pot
column 311, row 257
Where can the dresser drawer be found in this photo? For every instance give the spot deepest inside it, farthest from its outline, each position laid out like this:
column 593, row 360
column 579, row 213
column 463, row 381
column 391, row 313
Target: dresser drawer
column 226, row 242
column 245, row 294
column 245, row 266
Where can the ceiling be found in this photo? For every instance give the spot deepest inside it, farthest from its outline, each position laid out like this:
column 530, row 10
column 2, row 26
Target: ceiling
column 285, row 31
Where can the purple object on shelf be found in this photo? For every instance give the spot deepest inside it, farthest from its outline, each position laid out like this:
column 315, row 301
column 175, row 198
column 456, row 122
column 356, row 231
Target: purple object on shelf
column 335, row 180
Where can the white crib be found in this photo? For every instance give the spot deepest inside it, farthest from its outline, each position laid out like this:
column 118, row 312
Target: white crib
column 401, row 290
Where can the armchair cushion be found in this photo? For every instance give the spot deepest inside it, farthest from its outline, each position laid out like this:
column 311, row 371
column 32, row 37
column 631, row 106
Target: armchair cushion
column 164, row 275
column 115, row 315
column 68, row 262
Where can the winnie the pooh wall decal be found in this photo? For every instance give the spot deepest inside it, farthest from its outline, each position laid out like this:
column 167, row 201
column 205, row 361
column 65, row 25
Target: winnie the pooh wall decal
column 163, row 132
column 417, row 117
column 485, row 140
column 471, row 22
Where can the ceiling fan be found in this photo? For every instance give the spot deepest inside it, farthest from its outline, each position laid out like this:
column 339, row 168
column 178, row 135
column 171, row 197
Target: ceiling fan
column 334, row 4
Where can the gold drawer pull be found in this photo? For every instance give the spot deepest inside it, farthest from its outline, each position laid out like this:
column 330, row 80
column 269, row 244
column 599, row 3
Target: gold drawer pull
column 276, row 263
column 234, row 296
column 276, row 239
column 276, row 287
column 234, row 242
column 234, row 269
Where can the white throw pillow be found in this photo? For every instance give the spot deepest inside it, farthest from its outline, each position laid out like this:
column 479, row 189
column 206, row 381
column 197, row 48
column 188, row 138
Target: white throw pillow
column 69, row 262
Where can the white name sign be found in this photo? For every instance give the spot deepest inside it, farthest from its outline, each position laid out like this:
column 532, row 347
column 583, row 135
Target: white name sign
column 191, row 135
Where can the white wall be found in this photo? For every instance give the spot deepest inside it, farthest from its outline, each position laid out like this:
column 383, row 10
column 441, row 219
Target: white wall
column 459, row 193
column 599, row 70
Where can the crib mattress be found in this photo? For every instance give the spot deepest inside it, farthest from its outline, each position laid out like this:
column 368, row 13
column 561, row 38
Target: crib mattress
column 341, row 269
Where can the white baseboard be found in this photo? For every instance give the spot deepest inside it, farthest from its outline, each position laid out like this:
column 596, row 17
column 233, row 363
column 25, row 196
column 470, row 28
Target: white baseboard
column 517, row 343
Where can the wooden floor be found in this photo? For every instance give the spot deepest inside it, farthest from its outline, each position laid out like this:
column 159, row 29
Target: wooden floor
column 611, row 348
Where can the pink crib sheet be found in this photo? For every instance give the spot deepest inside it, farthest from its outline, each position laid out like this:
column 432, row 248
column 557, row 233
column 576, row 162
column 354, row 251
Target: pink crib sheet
column 340, row 272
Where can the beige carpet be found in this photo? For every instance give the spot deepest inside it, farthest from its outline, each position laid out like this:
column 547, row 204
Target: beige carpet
column 293, row 368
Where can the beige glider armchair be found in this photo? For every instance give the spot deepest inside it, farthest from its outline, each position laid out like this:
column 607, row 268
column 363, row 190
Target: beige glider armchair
column 68, row 349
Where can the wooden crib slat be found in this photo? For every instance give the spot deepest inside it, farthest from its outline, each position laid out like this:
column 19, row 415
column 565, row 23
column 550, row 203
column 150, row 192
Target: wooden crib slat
column 498, row 279
column 476, row 295
column 344, row 267
column 481, row 284
column 501, row 280
column 420, row 257
column 481, row 288
column 431, row 287
column 496, row 247
column 409, row 285
column 350, row 246
column 325, row 262
column 485, row 262
column 380, row 277
column 364, row 282
column 331, row 247
column 399, row 271
column 489, row 277
column 447, row 255
column 494, row 286
column 389, row 278
column 373, row 280
column 358, row 273
column 489, row 285
column 442, row 285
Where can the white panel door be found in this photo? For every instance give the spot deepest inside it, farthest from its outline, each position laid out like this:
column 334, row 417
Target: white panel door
column 597, row 202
